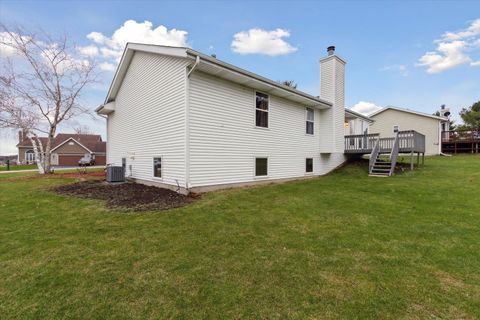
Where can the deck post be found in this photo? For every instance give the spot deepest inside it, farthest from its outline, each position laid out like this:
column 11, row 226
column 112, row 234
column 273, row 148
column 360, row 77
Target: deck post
column 418, row 159
column 423, row 159
column 411, row 160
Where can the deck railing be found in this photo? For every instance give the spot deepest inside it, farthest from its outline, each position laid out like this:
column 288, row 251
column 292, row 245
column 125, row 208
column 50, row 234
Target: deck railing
column 374, row 154
column 408, row 141
column 461, row 136
column 411, row 140
column 361, row 141
column 394, row 154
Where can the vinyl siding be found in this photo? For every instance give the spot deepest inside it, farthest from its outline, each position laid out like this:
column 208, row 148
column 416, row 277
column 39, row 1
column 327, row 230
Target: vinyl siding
column 149, row 118
column 224, row 140
column 385, row 121
column 332, row 88
column 339, row 105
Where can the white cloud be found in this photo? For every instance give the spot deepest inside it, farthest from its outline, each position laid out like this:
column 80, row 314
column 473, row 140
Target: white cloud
column 106, row 66
column 111, row 48
column 472, row 31
column 366, row 108
column 97, row 37
column 89, row 51
column 475, row 64
column 109, row 53
column 6, row 42
column 262, row 42
column 400, row 68
column 453, row 49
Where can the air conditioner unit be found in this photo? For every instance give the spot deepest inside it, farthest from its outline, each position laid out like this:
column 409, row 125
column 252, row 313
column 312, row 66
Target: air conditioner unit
column 115, row 174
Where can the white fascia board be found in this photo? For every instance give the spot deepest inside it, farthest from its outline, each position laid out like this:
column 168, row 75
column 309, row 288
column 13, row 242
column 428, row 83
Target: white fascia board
column 127, row 56
column 355, row 114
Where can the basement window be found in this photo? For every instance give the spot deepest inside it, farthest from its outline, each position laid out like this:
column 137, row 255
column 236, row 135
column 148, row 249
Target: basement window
column 157, row 167
column 261, row 167
column 309, row 165
column 261, row 110
column 310, row 118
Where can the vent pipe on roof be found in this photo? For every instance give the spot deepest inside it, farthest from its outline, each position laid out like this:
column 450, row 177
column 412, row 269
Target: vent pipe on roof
column 331, row 50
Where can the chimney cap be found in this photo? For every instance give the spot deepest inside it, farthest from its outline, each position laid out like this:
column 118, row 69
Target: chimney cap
column 330, row 50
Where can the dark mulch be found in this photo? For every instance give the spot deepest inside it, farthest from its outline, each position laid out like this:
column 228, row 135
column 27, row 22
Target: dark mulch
column 81, row 174
column 134, row 196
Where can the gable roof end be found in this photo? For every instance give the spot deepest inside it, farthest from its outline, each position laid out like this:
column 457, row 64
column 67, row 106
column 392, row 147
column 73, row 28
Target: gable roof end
column 215, row 67
column 408, row 111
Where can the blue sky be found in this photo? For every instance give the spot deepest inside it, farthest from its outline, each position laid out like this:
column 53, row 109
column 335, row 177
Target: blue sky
column 382, row 42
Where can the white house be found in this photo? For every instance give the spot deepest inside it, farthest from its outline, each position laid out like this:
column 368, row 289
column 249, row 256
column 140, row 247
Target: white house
column 389, row 119
column 184, row 120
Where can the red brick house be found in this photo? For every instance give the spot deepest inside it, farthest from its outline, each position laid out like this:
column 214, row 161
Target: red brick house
column 67, row 149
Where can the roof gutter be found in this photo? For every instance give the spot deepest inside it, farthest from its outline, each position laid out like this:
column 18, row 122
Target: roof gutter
column 197, row 62
column 249, row 74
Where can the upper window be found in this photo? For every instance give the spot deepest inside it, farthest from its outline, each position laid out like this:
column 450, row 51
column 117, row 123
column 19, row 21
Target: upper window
column 157, row 167
column 310, row 118
column 261, row 110
column 261, row 167
column 395, row 128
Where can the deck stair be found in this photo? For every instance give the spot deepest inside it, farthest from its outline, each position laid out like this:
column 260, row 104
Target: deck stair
column 381, row 168
column 403, row 142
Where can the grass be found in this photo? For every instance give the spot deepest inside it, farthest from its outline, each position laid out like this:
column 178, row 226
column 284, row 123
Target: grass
column 341, row 246
column 19, row 167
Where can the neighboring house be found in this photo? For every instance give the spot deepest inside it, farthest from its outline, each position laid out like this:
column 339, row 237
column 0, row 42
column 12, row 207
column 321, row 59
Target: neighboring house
column 389, row 119
column 67, row 149
column 184, row 120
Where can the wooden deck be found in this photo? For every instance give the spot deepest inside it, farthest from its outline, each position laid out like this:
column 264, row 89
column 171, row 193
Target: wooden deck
column 461, row 141
column 408, row 141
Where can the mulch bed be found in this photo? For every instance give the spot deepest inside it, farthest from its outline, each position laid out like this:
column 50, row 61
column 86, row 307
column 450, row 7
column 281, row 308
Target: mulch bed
column 133, row 196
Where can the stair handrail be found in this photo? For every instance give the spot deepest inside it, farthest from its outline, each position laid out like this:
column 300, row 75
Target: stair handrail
column 374, row 154
column 394, row 154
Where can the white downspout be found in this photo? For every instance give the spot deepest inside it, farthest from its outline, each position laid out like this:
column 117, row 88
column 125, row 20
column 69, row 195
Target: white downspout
column 187, row 123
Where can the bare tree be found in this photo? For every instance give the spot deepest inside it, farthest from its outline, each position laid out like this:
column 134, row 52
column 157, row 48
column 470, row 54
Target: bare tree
column 289, row 83
column 40, row 86
column 82, row 129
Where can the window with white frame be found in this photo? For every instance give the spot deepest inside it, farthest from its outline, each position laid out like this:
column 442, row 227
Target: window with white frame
column 261, row 167
column 30, row 156
column 310, row 120
column 309, row 165
column 261, row 110
column 157, row 167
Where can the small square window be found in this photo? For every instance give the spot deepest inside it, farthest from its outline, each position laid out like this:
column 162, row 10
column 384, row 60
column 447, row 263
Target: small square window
column 309, row 165
column 261, row 167
column 157, row 167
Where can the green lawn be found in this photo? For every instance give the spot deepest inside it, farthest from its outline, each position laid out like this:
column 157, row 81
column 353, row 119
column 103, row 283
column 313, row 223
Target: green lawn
column 19, row 167
column 341, row 246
